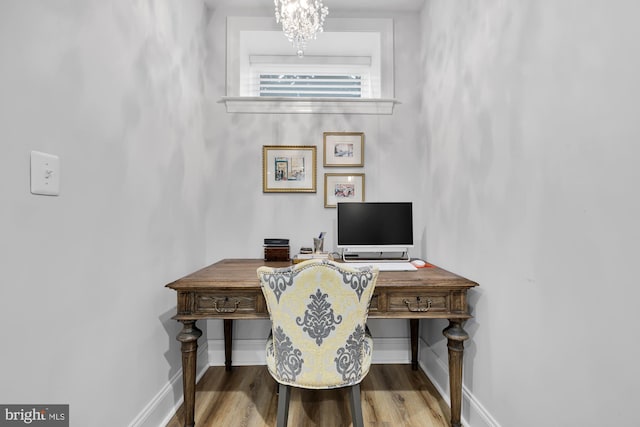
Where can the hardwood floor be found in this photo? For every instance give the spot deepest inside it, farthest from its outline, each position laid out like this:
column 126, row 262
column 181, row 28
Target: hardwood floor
column 392, row 396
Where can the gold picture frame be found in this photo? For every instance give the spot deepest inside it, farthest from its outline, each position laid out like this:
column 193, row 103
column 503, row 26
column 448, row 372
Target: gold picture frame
column 343, row 149
column 289, row 168
column 343, row 187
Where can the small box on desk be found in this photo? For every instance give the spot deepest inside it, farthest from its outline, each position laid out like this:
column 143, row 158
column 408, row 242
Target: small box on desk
column 276, row 253
column 276, row 250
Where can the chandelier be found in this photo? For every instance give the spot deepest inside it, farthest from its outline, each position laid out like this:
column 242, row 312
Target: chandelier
column 301, row 20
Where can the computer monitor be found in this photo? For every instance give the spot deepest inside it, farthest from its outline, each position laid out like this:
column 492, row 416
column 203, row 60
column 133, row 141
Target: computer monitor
column 375, row 226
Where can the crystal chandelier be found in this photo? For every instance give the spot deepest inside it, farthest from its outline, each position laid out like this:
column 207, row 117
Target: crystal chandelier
column 301, row 20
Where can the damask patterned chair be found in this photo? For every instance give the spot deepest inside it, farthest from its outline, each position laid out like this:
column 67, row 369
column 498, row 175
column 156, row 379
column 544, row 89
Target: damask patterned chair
column 319, row 338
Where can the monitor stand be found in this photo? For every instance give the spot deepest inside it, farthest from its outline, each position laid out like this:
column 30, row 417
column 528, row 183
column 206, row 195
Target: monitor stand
column 383, row 255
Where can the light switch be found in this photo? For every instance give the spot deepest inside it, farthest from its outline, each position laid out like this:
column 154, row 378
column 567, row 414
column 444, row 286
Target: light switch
column 45, row 174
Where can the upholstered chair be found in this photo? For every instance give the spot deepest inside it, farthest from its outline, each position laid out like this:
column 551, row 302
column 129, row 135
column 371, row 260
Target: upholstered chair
column 319, row 338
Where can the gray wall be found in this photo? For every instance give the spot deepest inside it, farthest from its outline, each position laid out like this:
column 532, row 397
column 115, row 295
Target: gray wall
column 115, row 89
column 242, row 215
column 517, row 148
column 530, row 113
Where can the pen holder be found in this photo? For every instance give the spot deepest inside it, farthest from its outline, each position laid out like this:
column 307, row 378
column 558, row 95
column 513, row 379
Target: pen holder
column 318, row 245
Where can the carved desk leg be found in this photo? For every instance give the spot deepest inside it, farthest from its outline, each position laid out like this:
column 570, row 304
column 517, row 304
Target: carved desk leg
column 456, row 337
column 188, row 336
column 414, row 325
column 228, row 342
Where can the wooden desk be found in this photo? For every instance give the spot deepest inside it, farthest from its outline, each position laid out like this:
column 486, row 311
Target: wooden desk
column 230, row 289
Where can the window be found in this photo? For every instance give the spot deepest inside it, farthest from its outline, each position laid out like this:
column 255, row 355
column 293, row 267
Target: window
column 354, row 66
column 316, row 77
column 310, row 85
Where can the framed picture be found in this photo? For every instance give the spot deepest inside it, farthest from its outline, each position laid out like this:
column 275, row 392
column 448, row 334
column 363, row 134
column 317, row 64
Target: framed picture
column 343, row 148
column 343, row 187
column 289, row 169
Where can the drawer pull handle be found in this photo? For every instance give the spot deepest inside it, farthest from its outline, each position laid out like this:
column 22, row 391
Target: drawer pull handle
column 418, row 306
column 225, row 309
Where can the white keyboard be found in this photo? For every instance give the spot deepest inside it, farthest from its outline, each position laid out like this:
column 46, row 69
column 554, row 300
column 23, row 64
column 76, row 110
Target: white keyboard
column 386, row 266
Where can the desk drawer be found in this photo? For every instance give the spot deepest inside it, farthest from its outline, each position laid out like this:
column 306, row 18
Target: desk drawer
column 225, row 304
column 413, row 302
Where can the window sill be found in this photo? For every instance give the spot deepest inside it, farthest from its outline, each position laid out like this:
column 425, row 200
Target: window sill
column 255, row 104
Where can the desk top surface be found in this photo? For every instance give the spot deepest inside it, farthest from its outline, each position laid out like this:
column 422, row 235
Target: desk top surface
column 241, row 273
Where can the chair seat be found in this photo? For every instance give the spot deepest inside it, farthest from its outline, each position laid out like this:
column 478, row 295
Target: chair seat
column 326, row 378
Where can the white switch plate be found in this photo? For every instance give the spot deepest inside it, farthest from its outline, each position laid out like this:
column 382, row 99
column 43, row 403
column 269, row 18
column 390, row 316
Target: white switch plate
column 45, row 174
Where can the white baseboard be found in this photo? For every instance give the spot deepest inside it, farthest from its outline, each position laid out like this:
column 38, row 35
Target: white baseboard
column 166, row 402
column 244, row 352
column 473, row 412
column 252, row 352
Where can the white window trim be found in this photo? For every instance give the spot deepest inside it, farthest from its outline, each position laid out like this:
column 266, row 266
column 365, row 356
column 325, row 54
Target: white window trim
column 257, row 104
column 236, row 103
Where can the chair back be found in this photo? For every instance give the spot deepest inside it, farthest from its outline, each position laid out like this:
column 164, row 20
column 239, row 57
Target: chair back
column 318, row 310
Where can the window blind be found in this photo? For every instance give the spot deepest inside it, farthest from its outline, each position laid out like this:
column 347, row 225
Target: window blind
column 311, row 85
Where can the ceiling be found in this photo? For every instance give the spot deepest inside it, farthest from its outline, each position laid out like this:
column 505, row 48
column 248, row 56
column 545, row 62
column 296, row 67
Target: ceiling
column 341, row 5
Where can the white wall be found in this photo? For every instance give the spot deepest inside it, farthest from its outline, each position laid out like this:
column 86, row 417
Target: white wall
column 243, row 215
column 530, row 119
column 115, row 89
column 520, row 162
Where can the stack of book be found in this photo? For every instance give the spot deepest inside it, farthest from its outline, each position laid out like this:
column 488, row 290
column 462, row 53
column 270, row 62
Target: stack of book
column 276, row 249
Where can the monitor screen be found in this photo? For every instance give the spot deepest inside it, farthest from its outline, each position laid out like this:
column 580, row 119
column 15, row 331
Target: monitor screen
column 375, row 224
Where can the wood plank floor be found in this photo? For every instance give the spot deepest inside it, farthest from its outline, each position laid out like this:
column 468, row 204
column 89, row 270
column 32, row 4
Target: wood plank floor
column 392, row 396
